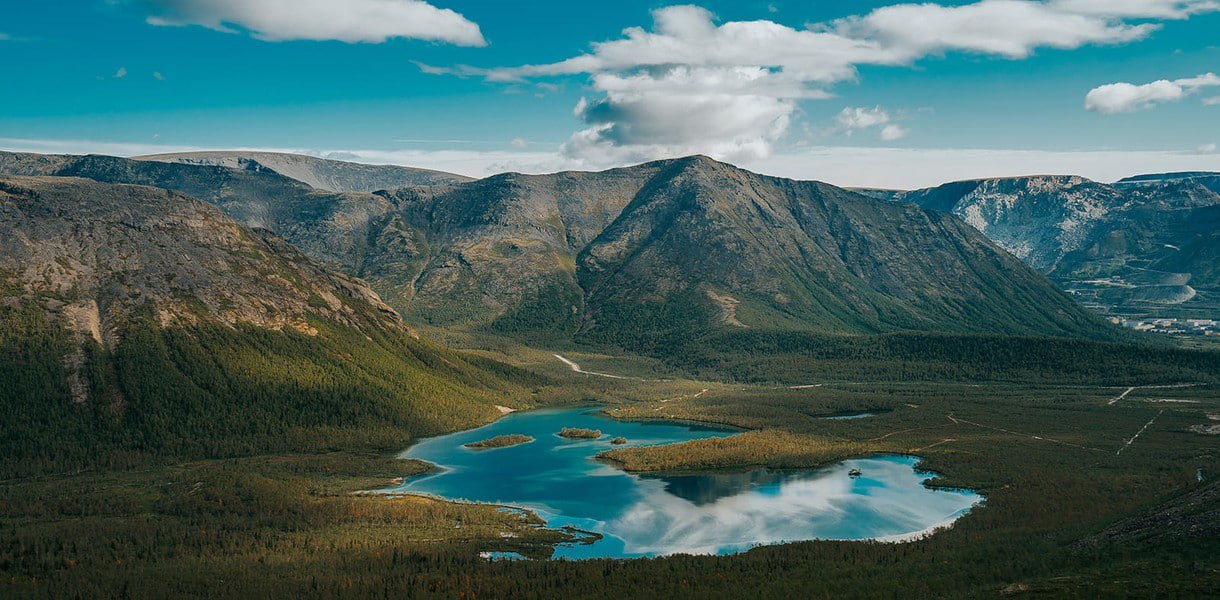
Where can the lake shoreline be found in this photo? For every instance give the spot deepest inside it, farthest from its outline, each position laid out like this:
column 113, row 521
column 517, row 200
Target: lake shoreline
column 567, row 485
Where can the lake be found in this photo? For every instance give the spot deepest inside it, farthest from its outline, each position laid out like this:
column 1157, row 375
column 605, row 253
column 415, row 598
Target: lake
column 718, row 513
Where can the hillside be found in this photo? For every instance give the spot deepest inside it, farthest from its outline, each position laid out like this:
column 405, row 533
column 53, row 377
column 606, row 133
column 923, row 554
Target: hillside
column 1140, row 245
column 320, row 173
column 137, row 322
column 720, row 247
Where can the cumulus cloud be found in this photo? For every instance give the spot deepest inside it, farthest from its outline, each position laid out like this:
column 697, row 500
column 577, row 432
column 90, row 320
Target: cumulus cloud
column 853, row 119
column 731, row 89
column 121, row 73
column 1206, row 149
column 352, row 21
column 1122, row 97
column 1213, row 101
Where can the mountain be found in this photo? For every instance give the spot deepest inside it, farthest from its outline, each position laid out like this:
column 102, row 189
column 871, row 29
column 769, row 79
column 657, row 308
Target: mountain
column 707, row 245
column 669, row 248
column 690, row 246
column 320, row 173
column 139, row 322
column 1211, row 180
column 328, row 226
column 1139, row 245
column 116, row 249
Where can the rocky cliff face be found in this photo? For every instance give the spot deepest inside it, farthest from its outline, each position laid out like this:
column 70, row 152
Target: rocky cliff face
column 94, row 254
column 1038, row 219
column 1147, row 237
column 320, row 173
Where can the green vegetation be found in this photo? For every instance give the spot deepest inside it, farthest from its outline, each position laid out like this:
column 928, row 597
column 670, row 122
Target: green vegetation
column 211, row 391
column 577, row 433
column 501, row 441
column 221, row 460
column 800, row 358
column 764, row 448
column 618, row 441
column 284, row 526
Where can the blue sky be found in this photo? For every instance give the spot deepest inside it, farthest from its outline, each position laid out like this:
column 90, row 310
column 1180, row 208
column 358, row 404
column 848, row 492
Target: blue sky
column 853, row 92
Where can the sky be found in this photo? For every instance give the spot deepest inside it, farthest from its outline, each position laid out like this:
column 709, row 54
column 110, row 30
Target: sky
column 853, row 92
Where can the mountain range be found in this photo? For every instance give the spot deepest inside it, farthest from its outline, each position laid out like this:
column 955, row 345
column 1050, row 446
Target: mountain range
column 634, row 255
column 320, row 173
column 1145, row 244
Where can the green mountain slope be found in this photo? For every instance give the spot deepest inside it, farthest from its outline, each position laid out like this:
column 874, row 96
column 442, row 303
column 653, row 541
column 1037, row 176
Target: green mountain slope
column 137, row 323
column 706, row 246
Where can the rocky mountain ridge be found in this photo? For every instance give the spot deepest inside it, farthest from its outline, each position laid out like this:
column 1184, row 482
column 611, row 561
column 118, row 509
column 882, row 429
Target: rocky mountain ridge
column 684, row 245
column 1149, row 236
column 319, row 173
column 97, row 253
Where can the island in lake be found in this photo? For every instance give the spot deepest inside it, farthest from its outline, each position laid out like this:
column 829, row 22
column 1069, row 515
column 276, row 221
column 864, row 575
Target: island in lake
column 576, row 433
column 500, row 441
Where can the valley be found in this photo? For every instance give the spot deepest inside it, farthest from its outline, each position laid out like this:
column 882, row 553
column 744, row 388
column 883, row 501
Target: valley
column 1023, row 446
column 461, row 300
column 195, row 395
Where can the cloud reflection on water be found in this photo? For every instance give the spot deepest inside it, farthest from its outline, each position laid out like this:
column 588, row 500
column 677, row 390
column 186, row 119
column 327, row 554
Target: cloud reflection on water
column 696, row 514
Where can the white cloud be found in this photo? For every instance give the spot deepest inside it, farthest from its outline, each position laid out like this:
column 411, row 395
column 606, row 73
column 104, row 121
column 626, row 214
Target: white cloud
column 352, row 21
column 1008, row 28
column 731, row 89
column 1206, row 149
column 518, row 143
column 121, row 73
column 1147, row 9
column 892, row 132
column 158, row 76
column 900, row 168
column 853, row 119
column 1122, row 97
column 1213, row 101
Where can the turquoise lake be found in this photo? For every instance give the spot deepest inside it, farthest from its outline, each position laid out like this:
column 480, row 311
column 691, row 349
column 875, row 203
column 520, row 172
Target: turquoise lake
column 719, row 513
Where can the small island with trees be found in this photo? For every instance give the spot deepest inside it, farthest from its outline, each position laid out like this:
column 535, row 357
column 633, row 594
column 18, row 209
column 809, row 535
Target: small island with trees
column 576, row 433
column 500, row 441
column 618, row 441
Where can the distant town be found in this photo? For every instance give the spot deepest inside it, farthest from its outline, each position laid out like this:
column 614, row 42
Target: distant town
column 1204, row 327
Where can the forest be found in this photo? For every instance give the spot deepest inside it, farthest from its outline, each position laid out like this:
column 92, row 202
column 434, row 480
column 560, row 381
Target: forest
column 232, row 462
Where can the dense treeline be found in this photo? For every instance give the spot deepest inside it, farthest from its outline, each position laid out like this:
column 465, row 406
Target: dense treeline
column 214, row 391
column 796, row 356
